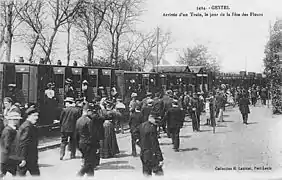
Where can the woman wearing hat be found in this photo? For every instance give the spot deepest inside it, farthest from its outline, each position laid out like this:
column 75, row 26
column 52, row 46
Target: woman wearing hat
column 9, row 160
column 69, row 89
column 109, row 146
column 50, row 104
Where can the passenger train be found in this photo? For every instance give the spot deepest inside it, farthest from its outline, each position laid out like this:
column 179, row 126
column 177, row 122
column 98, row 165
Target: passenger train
column 32, row 79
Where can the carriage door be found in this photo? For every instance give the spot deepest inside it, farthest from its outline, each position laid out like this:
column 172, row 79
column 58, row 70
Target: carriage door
column 76, row 77
column 146, row 82
column 59, row 78
column 152, row 83
column 120, row 84
column 163, row 80
column 106, row 79
column 22, row 82
column 33, row 70
column 93, row 80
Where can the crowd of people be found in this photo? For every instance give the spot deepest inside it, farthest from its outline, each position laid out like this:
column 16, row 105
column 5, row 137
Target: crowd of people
column 90, row 125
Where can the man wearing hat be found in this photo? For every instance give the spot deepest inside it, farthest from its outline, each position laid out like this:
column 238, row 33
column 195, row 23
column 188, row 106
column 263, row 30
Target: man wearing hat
column 151, row 155
column 134, row 121
column 132, row 103
column 27, row 149
column 195, row 112
column 68, row 118
column 167, row 99
column 87, row 140
column 158, row 108
column 69, row 89
column 144, row 101
column 15, row 94
column 9, row 160
column 175, row 119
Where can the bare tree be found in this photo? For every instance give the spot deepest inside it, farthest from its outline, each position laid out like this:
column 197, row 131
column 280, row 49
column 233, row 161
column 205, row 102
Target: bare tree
column 89, row 20
column 119, row 20
column 33, row 15
column 9, row 24
column 199, row 56
column 142, row 48
column 61, row 12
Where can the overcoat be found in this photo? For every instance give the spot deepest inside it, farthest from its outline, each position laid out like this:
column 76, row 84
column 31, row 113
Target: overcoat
column 244, row 105
column 27, row 142
column 68, row 119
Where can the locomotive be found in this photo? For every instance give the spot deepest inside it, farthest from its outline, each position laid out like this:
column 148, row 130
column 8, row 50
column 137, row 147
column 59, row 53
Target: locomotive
column 31, row 81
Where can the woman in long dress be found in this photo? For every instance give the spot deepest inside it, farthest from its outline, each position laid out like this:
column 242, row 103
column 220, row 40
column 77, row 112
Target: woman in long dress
column 108, row 146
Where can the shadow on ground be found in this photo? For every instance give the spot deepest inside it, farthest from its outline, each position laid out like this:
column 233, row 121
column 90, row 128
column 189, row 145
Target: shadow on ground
column 45, row 165
column 122, row 154
column 188, row 149
column 115, row 165
column 252, row 122
column 187, row 136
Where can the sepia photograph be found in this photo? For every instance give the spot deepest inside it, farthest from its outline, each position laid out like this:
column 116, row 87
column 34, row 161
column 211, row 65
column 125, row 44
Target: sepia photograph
column 133, row 89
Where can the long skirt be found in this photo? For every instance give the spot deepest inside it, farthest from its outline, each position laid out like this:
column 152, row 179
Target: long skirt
column 109, row 147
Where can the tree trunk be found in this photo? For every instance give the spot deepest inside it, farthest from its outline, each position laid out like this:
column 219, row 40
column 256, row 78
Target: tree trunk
column 49, row 50
column 116, row 50
column 68, row 45
column 90, row 54
column 9, row 32
column 113, row 49
column 32, row 48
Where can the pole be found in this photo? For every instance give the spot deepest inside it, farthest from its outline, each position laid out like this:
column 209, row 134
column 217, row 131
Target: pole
column 158, row 29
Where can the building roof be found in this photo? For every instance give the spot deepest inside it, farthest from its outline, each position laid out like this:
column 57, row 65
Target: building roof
column 171, row 68
column 196, row 69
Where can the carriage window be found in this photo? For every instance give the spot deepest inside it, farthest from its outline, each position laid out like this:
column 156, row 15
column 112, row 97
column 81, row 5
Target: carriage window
column 93, row 81
column 59, row 80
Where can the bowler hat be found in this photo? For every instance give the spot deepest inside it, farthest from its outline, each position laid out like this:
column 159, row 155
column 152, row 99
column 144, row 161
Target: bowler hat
column 30, row 111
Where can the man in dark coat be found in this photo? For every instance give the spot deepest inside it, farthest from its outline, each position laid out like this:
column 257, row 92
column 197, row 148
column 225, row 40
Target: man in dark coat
column 9, row 160
column 195, row 111
column 220, row 104
column 167, row 99
column 16, row 94
column 135, row 120
column 27, row 150
column 151, row 154
column 98, row 131
column 244, row 107
column 175, row 119
column 68, row 120
column 87, row 141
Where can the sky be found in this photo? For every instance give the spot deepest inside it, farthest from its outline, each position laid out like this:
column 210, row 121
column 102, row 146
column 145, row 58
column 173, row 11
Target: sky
column 238, row 42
